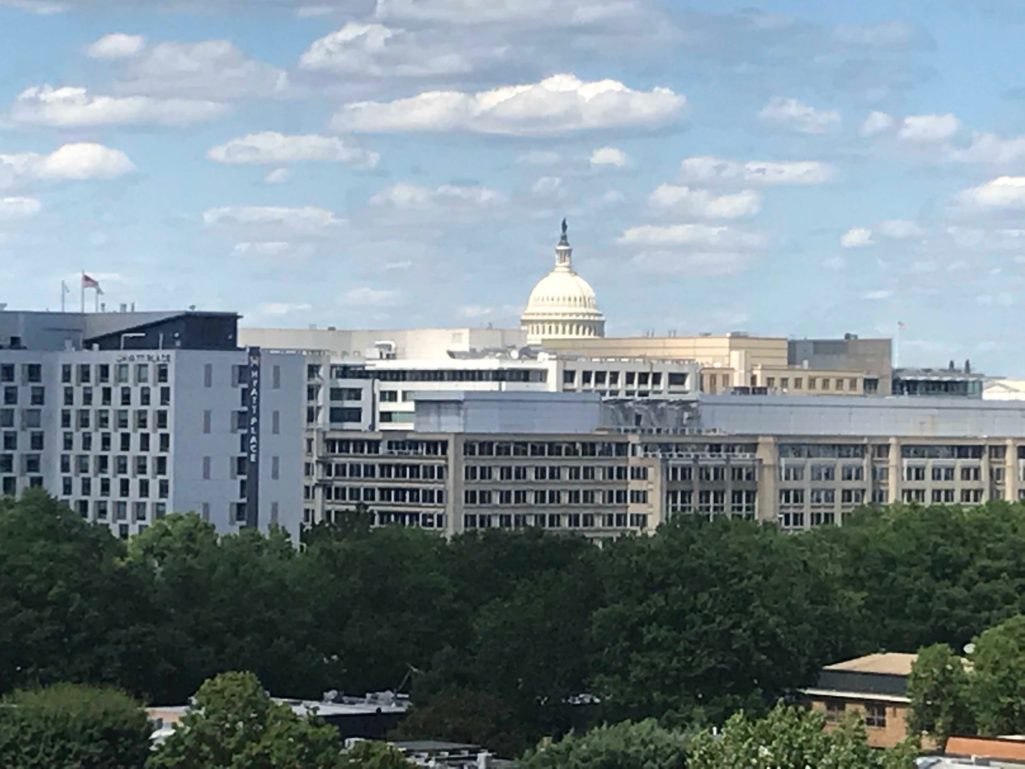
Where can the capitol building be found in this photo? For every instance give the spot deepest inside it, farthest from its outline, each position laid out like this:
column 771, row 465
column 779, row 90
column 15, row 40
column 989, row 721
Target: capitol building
column 562, row 304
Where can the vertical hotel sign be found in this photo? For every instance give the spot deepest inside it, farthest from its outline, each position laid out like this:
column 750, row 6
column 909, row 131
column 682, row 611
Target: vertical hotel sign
column 253, row 439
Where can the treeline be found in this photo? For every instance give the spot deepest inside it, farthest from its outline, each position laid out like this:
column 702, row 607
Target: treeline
column 498, row 634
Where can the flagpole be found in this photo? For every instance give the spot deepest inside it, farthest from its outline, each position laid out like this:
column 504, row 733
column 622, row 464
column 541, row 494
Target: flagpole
column 64, row 291
column 83, row 292
column 96, row 300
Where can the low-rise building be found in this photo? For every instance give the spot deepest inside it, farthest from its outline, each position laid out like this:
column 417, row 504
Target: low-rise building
column 872, row 688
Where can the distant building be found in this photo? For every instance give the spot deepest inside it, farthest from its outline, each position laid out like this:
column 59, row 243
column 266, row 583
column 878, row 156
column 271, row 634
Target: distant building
column 874, row 688
column 997, row 752
column 370, row 717
column 1004, row 390
column 129, row 416
column 946, row 382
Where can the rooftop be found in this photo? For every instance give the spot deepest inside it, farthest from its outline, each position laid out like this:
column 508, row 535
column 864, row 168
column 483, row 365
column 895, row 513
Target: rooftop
column 885, row 663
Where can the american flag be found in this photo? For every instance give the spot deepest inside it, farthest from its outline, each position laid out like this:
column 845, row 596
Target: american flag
column 89, row 282
column 901, row 324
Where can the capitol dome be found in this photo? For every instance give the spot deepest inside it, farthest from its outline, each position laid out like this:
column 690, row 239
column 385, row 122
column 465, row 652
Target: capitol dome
column 562, row 304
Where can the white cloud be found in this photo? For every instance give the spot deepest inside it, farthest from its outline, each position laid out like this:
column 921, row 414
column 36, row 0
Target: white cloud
column 380, row 51
column 209, row 69
column 272, row 148
column 560, row 13
column 609, row 156
column 711, row 170
column 798, row 116
column 39, row 7
column 900, row 229
column 71, row 162
column 277, row 176
column 928, row 129
column 303, row 220
column 704, row 204
column 876, row 123
column 691, row 263
column 990, row 148
column 557, row 105
column 877, row 295
column 116, row 46
column 1004, row 192
column 19, row 208
column 278, row 309
column 703, row 236
column 411, row 196
column 68, row 106
column 366, row 296
column 548, row 187
column 857, row 237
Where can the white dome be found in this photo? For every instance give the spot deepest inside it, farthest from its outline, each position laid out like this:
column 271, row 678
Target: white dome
column 562, row 304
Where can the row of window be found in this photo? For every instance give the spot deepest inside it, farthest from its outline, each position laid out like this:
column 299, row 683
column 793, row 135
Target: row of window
column 710, row 501
column 712, row 473
column 104, row 487
column 86, row 373
column 85, row 396
column 545, row 449
column 814, row 383
column 945, row 473
column 556, row 520
column 427, row 448
column 397, row 471
column 126, row 442
column 405, row 496
column 87, row 464
column 473, row 497
column 30, row 373
column 118, row 419
column 554, row 473
column 821, row 496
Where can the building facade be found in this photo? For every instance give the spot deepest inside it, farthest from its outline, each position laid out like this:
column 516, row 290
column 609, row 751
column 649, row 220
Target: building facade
column 629, row 470
column 127, row 417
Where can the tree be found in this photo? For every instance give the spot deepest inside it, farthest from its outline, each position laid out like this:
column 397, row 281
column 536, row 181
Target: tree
column 233, row 724
column 462, row 715
column 71, row 608
column 998, row 678
column 706, row 618
column 367, row 754
column 790, row 738
column 67, row 725
column 626, row 745
column 229, row 602
column 939, row 691
column 939, row 574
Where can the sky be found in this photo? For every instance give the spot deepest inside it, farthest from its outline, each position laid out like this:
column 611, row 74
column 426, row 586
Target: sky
column 803, row 169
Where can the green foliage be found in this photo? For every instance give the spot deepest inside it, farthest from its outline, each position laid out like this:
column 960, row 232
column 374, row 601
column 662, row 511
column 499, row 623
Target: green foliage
column 939, row 693
column 72, row 726
column 234, row 724
column 790, row 738
column 462, row 715
column 626, row 745
column 929, row 574
column 374, row 755
column 71, row 609
column 997, row 686
column 707, row 618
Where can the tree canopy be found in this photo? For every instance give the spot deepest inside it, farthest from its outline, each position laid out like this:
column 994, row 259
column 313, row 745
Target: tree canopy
column 68, row 725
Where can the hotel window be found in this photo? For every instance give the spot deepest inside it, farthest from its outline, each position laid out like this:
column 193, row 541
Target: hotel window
column 798, row 383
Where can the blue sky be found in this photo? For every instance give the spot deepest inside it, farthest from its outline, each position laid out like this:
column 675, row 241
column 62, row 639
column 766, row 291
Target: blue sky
column 791, row 168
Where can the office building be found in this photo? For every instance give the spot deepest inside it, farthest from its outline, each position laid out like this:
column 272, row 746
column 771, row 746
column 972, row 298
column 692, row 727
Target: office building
column 604, row 468
column 129, row 416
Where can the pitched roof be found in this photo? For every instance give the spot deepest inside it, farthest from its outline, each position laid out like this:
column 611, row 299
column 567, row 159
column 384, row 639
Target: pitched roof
column 886, row 663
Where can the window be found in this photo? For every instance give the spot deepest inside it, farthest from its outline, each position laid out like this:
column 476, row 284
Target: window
column 208, row 375
column 875, row 715
column 206, row 421
column 834, row 710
